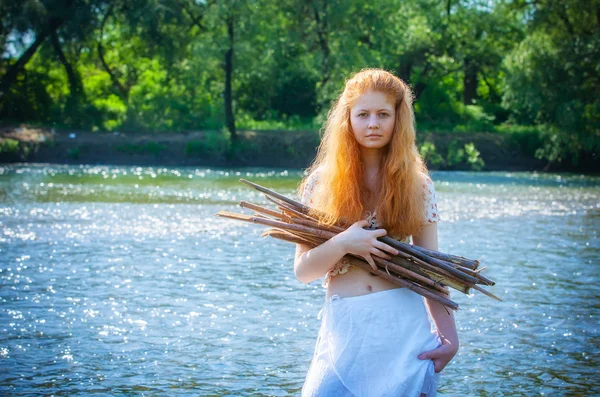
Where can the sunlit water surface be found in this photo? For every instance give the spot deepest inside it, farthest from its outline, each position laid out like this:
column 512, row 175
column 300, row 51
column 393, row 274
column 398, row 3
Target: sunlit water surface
column 121, row 280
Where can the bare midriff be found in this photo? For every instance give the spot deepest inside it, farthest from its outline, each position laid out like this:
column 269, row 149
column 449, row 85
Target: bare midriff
column 356, row 282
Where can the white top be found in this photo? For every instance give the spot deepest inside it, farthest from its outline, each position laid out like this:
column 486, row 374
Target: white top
column 430, row 215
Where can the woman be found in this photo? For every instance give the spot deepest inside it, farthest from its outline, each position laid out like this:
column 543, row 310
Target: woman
column 375, row 338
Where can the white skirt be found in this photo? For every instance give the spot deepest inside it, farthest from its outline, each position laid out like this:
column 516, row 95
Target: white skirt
column 368, row 346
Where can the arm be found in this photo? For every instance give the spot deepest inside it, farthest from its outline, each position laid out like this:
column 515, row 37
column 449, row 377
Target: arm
column 311, row 264
column 443, row 318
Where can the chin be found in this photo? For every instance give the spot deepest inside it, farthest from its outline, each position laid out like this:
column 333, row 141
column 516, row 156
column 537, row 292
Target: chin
column 374, row 145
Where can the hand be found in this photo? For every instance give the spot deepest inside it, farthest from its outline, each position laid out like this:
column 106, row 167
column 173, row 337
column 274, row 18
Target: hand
column 441, row 355
column 362, row 242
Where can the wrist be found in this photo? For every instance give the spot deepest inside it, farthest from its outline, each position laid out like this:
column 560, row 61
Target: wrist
column 453, row 342
column 341, row 243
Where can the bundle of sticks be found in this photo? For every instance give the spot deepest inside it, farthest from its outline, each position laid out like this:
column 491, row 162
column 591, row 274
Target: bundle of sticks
column 423, row 271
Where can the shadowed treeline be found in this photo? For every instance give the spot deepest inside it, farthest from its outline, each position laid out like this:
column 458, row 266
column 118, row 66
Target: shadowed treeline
column 524, row 68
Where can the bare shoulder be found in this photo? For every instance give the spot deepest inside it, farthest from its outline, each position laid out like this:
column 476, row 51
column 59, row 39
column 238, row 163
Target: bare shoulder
column 427, row 237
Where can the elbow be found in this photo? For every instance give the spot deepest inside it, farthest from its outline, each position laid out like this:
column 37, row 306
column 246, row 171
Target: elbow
column 301, row 275
column 302, row 280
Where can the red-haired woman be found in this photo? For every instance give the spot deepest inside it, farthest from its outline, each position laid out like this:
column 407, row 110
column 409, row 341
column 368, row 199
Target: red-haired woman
column 375, row 338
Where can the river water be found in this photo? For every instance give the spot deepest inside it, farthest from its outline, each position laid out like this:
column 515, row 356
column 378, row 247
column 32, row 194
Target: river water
column 120, row 280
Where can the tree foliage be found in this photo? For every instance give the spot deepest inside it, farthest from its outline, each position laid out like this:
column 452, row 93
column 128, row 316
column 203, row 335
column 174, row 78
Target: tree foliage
column 553, row 78
column 170, row 65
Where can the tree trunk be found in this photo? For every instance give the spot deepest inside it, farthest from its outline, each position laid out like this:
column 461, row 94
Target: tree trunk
column 121, row 89
column 405, row 69
column 75, row 83
column 13, row 71
column 469, row 82
column 418, row 89
column 322, row 33
column 229, row 116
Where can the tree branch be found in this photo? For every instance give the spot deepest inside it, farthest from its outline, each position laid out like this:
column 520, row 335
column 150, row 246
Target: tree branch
column 124, row 92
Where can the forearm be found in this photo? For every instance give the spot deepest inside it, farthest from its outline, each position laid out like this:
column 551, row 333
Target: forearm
column 444, row 321
column 442, row 317
column 312, row 264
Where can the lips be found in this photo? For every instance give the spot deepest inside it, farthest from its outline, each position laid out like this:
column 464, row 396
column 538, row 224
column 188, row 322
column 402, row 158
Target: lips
column 374, row 135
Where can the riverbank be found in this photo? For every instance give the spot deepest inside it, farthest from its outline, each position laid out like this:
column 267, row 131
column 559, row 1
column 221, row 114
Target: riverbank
column 293, row 149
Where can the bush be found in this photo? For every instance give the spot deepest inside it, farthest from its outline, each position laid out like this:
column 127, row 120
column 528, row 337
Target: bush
column 9, row 146
column 455, row 155
column 475, row 119
column 154, row 148
column 473, row 160
column 430, row 155
column 74, row 153
column 528, row 139
column 13, row 150
column 214, row 143
column 276, row 122
column 467, row 155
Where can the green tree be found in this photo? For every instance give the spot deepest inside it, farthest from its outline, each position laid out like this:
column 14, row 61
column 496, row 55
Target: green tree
column 552, row 78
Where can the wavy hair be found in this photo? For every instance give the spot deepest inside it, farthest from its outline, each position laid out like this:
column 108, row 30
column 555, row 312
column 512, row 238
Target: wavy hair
column 339, row 196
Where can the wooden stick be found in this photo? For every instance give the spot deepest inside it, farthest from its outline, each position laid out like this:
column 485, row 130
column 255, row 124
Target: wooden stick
column 434, row 273
column 298, row 222
column 417, row 254
column 285, row 226
column 306, row 210
column 338, row 229
column 407, row 284
column 316, row 225
column 409, row 274
column 478, row 288
column 459, row 260
column 285, row 207
column 395, row 268
column 267, row 211
column 283, row 235
column 364, row 265
column 271, row 193
column 274, row 223
column 457, row 284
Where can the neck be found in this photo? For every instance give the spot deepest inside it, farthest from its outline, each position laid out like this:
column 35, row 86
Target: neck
column 371, row 158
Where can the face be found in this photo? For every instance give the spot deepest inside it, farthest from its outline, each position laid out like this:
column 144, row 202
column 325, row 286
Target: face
column 372, row 119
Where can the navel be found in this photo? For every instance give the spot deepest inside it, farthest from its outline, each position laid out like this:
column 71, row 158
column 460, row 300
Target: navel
column 370, row 288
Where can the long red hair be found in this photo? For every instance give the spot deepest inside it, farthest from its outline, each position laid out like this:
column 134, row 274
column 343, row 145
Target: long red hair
column 339, row 196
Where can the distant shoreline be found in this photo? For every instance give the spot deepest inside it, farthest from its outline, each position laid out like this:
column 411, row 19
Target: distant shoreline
column 287, row 149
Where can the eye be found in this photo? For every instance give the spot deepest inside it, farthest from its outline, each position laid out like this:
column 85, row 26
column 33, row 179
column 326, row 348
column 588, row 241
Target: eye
column 362, row 114
column 384, row 114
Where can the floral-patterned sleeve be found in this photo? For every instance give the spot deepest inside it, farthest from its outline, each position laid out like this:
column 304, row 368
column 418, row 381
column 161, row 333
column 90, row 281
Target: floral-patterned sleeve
column 309, row 189
column 430, row 209
column 343, row 265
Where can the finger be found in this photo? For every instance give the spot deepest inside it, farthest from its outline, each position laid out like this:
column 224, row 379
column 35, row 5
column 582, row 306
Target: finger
column 429, row 355
column 363, row 223
column 371, row 262
column 379, row 232
column 380, row 254
column 386, row 248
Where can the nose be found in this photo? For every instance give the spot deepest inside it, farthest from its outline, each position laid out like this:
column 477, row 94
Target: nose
column 373, row 125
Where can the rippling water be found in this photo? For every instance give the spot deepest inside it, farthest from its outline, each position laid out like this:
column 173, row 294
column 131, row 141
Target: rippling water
column 120, row 280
